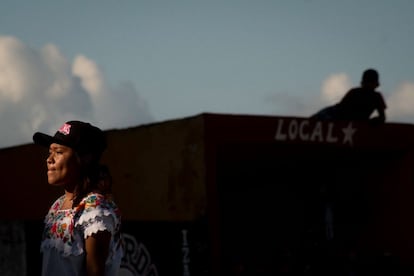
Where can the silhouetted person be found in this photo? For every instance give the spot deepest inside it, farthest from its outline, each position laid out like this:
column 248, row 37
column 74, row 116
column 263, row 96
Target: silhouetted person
column 359, row 103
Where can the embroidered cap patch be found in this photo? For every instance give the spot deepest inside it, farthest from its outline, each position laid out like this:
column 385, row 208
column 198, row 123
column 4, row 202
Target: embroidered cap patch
column 65, row 129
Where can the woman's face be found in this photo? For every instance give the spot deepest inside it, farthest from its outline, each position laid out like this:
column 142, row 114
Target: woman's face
column 62, row 166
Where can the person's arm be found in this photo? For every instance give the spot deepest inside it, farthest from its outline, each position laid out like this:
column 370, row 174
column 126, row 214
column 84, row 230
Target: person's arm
column 97, row 247
column 380, row 108
column 381, row 115
column 380, row 119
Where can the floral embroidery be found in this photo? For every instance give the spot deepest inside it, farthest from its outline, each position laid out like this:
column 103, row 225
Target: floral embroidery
column 65, row 230
column 59, row 225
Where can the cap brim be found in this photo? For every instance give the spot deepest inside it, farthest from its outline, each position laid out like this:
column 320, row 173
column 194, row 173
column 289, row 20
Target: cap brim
column 43, row 139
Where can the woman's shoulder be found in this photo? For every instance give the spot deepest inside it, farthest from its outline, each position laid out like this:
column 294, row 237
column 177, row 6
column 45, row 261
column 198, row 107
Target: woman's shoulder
column 95, row 208
column 94, row 199
column 97, row 200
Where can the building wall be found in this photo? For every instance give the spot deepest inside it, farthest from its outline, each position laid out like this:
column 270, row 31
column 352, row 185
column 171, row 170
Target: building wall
column 159, row 171
column 12, row 248
column 166, row 179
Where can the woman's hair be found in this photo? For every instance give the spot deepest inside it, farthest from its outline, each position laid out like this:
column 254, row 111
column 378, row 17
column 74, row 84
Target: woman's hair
column 94, row 177
column 104, row 180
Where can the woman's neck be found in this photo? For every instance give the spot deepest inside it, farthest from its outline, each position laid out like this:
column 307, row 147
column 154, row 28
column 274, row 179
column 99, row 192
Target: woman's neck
column 69, row 195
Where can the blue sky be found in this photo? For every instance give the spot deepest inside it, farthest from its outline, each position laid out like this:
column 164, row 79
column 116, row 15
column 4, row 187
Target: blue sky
column 126, row 63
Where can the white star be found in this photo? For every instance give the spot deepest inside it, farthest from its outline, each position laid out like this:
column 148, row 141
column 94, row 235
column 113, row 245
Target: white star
column 348, row 134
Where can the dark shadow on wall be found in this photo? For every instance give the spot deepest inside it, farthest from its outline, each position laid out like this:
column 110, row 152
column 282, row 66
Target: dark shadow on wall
column 301, row 211
column 33, row 235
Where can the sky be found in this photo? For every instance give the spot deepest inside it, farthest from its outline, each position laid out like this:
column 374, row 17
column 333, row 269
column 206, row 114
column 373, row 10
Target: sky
column 126, row 63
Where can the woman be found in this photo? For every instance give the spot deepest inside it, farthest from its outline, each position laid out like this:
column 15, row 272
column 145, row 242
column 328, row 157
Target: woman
column 82, row 228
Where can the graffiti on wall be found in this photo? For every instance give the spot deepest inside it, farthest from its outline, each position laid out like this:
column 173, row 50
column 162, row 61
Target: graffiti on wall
column 310, row 131
column 186, row 253
column 165, row 248
column 137, row 259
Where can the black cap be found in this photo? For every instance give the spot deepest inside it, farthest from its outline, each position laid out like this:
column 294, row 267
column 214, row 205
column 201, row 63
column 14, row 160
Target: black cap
column 80, row 136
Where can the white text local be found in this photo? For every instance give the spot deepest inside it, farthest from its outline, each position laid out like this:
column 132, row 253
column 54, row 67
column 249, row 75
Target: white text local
column 305, row 130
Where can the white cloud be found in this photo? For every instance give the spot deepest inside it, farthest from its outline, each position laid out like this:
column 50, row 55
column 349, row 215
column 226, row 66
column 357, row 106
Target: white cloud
column 400, row 103
column 41, row 89
column 89, row 73
column 119, row 105
column 334, row 88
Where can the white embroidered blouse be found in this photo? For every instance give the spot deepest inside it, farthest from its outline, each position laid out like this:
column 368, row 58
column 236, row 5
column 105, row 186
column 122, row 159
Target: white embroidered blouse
column 63, row 243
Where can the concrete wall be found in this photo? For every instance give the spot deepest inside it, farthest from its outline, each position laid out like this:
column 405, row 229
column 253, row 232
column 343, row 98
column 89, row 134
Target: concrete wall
column 12, row 248
column 159, row 171
column 166, row 179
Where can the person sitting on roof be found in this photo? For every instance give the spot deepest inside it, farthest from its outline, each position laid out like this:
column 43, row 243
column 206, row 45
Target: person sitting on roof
column 359, row 103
